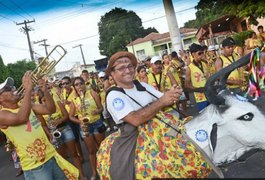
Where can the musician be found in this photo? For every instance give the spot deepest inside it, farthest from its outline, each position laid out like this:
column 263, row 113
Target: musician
column 39, row 160
column 88, row 107
column 68, row 96
column 196, row 75
column 227, row 57
column 60, row 121
column 211, row 57
column 143, row 148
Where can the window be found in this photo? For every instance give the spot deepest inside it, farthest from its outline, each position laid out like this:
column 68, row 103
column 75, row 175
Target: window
column 140, row 52
column 187, row 41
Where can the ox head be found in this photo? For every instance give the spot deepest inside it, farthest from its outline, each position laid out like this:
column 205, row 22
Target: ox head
column 232, row 124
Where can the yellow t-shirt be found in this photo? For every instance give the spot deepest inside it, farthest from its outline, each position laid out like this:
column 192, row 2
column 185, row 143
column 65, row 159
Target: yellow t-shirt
column 160, row 82
column 90, row 105
column 68, row 97
column 34, row 148
column 31, row 142
column 174, row 72
column 234, row 75
column 198, row 80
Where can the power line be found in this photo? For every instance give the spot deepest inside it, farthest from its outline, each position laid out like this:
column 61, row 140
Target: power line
column 21, row 9
column 12, row 10
column 7, row 18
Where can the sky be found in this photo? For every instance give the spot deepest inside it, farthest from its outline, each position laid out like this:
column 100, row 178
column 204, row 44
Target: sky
column 72, row 22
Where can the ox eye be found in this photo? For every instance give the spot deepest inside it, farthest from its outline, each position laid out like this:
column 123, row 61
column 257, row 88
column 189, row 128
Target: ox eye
column 246, row 117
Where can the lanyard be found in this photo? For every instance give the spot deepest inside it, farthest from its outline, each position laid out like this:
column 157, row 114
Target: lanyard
column 198, row 65
column 160, row 78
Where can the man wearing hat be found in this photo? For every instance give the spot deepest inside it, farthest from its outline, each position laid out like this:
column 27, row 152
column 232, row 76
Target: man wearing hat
column 39, row 159
column 196, row 75
column 227, row 57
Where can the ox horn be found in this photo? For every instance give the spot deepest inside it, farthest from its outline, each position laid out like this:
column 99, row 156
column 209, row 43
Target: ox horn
column 222, row 75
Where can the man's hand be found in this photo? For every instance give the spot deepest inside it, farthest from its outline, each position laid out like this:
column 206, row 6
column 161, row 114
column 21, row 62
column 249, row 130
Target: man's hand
column 171, row 96
column 26, row 81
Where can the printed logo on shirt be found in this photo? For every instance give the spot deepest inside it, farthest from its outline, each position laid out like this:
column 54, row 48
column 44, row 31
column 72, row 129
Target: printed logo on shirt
column 118, row 104
column 201, row 135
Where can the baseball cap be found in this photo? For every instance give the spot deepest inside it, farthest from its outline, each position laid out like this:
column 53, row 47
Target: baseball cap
column 101, row 74
column 228, row 42
column 155, row 59
column 9, row 82
column 195, row 48
column 211, row 48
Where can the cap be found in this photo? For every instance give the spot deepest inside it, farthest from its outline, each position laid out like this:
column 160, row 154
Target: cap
column 211, row 48
column 101, row 74
column 228, row 42
column 155, row 59
column 195, row 48
column 119, row 55
column 9, row 82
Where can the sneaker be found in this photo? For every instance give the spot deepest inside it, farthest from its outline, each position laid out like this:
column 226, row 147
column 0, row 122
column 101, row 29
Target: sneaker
column 115, row 128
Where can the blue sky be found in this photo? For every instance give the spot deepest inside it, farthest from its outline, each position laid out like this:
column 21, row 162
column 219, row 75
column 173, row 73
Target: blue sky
column 73, row 22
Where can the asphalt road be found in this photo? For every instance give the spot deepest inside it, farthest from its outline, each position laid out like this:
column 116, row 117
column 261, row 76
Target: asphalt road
column 250, row 165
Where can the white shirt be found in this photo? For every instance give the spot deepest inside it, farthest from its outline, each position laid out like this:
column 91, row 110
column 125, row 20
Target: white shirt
column 120, row 105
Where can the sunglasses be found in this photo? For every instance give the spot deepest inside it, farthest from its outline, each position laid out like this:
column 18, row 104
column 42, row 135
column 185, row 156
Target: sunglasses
column 200, row 53
column 65, row 83
column 78, row 84
column 6, row 89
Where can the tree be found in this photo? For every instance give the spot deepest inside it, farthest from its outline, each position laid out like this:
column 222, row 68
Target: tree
column 117, row 28
column 3, row 71
column 17, row 70
column 209, row 10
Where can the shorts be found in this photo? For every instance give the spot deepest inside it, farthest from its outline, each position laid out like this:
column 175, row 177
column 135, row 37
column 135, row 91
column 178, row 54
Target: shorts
column 48, row 170
column 95, row 128
column 67, row 134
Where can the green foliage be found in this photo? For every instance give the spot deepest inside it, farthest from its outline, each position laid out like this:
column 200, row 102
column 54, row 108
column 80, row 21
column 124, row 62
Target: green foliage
column 117, row 28
column 17, row 70
column 3, row 71
column 209, row 10
column 241, row 37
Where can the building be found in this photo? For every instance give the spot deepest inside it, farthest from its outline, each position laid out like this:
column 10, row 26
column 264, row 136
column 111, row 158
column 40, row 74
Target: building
column 75, row 71
column 158, row 44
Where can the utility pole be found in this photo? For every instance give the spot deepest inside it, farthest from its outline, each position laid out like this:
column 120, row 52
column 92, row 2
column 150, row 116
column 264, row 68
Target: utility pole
column 172, row 25
column 26, row 30
column 80, row 45
column 44, row 44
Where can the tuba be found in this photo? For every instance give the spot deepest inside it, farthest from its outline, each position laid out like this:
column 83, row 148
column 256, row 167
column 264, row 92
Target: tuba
column 46, row 65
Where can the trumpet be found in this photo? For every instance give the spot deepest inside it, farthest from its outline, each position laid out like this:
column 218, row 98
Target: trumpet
column 45, row 66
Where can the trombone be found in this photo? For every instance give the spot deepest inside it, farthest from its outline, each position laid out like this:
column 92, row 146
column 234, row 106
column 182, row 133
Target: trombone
column 44, row 67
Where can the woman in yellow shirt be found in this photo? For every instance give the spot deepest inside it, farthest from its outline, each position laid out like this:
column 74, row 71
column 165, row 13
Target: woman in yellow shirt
column 88, row 107
column 141, row 74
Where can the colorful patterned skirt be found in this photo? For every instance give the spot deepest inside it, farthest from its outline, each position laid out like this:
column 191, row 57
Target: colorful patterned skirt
column 159, row 153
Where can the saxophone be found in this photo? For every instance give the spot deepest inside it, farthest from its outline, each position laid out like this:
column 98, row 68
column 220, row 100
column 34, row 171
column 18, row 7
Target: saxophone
column 84, row 118
column 56, row 134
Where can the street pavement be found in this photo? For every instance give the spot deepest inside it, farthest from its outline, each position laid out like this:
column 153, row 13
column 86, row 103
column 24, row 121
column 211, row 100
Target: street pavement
column 250, row 165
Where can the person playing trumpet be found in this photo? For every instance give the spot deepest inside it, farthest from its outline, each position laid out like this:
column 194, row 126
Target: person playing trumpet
column 39, row 159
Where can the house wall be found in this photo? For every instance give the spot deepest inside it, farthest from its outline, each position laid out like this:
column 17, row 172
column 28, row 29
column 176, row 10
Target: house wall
column 146, row 46
column 193, row 39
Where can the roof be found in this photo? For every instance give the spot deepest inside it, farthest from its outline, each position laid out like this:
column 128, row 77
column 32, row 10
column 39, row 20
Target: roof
column 160, row 37
column 222, row 24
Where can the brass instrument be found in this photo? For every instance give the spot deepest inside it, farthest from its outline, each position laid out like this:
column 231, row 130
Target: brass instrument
column 45, row 66
column 84, row 118
column 244, row 76
column 56, row 134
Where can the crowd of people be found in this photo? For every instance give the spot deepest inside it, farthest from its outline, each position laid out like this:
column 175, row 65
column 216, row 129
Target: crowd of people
column 145, row 99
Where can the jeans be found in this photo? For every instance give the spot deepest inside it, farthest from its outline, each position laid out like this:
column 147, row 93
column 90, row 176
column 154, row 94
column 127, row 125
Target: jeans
column 48, row 171
column 67, row 134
